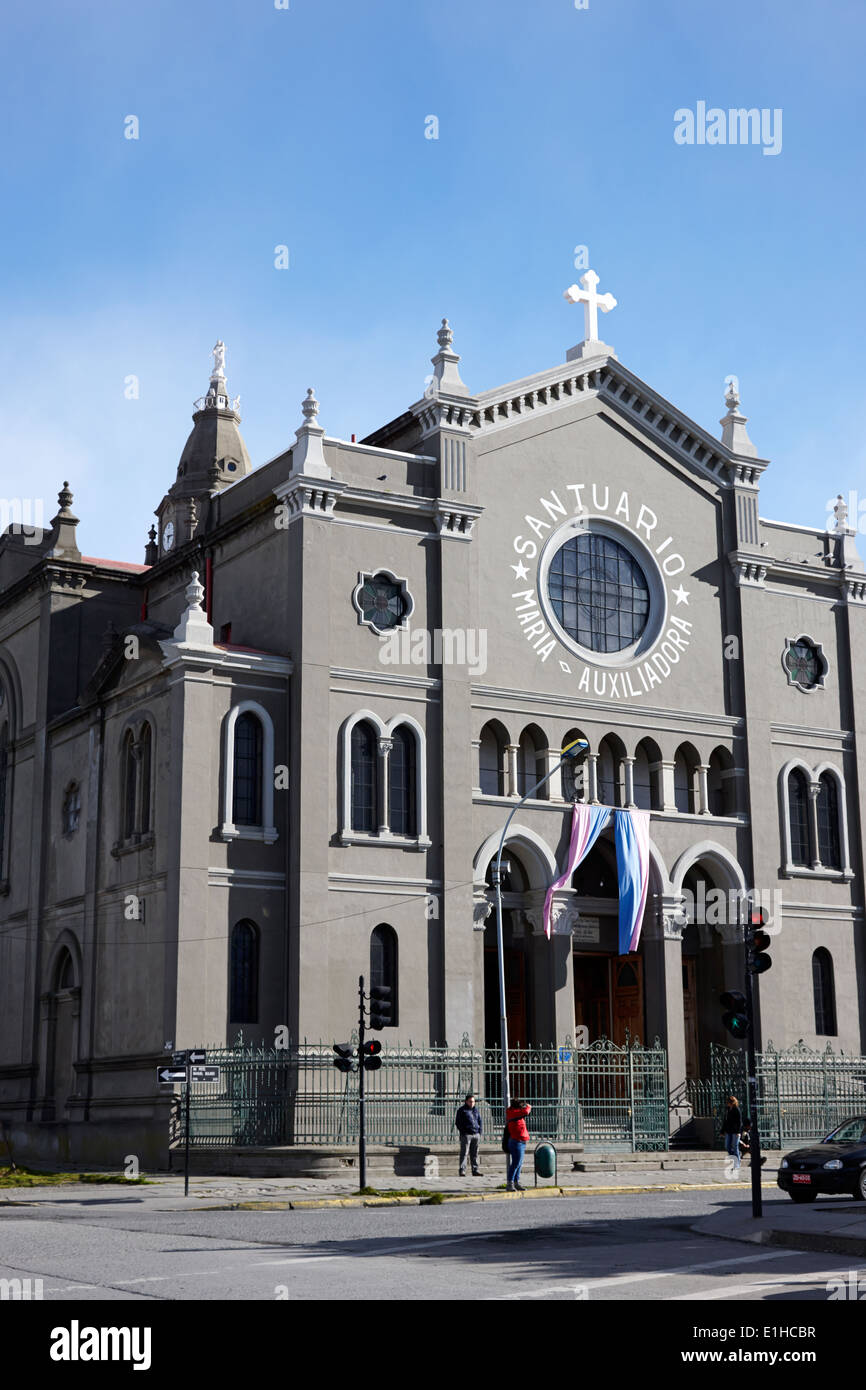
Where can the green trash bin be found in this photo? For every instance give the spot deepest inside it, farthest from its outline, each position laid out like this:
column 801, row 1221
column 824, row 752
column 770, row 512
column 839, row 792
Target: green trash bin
column 545, row 1162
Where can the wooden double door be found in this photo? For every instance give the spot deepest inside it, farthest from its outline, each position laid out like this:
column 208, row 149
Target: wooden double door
column 608, row 996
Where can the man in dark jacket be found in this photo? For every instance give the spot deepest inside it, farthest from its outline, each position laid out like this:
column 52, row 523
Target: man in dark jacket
column 469, row 1127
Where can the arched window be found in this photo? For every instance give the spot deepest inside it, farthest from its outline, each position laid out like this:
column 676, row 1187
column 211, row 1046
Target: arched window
column 244, row 972
column 824, row 993
column 685, row 765
column 65, row 972
column 609, row 772
column 129, row 762
column 798, row 817
column 644, row 780
column 383, row 964
column 4, row 784
column 71, row 809
column 144, row 774
column 247, row 791
column 401, row 782
column 530, row 760
column 720, row 783
column 574, row 774
column 829, row 839
column 364, row 778
column 491, row 778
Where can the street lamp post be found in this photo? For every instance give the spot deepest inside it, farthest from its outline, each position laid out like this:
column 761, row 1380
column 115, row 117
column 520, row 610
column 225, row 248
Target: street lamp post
column 571, row 752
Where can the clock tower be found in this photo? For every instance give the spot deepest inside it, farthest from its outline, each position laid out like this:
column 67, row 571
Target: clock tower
column 214, row 457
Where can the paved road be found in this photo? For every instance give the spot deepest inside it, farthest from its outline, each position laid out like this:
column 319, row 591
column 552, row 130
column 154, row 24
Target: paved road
column 623, row 1246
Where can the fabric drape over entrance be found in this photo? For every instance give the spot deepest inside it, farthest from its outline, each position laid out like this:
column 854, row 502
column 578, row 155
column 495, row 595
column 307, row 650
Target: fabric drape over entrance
column 632, row 862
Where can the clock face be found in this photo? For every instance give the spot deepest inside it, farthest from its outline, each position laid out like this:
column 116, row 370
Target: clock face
column 803, row 664
column 381, row 603
column 168, row 535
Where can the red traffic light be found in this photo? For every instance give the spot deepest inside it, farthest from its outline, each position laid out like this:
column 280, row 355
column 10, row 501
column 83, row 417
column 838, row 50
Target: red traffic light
column 372, row 1048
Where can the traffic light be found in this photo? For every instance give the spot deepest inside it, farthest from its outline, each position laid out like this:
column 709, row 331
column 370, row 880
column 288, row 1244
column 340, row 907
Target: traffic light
column 381, row 1006
column 345, row 1053
column 370, row 1059
column 736, row 1018
column 759, row 943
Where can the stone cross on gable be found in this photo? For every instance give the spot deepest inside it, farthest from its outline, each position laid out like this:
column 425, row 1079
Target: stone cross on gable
column 591, row 301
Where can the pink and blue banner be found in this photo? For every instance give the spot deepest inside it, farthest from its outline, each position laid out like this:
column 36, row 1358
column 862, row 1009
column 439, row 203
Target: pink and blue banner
column 631, row 830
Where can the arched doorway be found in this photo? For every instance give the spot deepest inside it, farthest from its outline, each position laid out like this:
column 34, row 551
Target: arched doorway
column 709, row 910
column 608, row 987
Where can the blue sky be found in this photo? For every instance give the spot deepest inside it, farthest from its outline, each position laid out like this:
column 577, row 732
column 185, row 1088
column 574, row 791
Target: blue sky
column 305, row 127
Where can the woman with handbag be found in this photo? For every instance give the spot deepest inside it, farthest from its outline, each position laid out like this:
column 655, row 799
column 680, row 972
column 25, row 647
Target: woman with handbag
column 518, row 1138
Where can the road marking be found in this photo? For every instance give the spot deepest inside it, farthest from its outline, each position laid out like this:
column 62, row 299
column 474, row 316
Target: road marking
column 619, row 1279
column 825, row 1274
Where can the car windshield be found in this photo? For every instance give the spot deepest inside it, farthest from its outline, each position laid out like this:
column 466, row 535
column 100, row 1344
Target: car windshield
column 850, row 1133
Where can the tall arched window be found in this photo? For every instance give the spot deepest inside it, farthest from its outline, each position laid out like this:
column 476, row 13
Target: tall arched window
column 720, row 783
column 530, row 760
column 829, row 839
column 71, row 815
column 401, row 783
column 644, row 781
column 491, row 777
column 144, row 775
column 244, row 974
column 798, row 817
column 247, row 791
column 824, row 993
column 364, row 778
column 383, row 963
column 129, row 762
column 685, row 766
column 4, row 782
column 574, row 774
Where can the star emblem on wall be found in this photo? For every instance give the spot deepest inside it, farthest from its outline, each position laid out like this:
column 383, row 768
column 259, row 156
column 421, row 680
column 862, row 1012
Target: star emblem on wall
column 520, row 571
column 681, row 596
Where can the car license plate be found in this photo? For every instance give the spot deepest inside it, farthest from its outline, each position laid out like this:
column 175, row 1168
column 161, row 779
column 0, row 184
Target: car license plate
column 802, row 1177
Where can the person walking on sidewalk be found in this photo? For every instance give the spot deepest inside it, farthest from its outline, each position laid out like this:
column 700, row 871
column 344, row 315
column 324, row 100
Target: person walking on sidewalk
column 732, row 1129
column 470, row 1128
column 518, row 1138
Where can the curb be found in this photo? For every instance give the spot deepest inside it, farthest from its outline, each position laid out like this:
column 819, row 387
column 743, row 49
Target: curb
column 318, row 1203
column 827, row 1244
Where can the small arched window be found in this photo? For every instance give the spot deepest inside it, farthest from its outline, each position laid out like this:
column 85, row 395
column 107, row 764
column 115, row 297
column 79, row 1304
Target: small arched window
column 824, row 993
column 685, row 764
column 491, row 757
column 608, row 775
column 798, row 817
column 829, row 839
column 244, row 974
column 71, row 809
column 65, row 972
column 530, row 761
column 129, row 763
column 383, row 964
column 247, row 791
column 401, row 783
column 364, row 778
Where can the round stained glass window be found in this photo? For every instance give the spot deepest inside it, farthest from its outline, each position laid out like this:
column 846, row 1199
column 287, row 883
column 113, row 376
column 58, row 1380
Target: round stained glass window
column 599, row 593
column 381, row 602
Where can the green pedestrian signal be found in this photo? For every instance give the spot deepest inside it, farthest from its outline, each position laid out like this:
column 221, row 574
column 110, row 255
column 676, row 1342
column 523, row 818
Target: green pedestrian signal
column 736, row 1016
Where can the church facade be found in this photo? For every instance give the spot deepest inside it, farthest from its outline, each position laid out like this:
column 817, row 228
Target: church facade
column 280, row 753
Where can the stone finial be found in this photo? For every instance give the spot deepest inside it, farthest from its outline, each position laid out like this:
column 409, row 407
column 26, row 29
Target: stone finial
column 194, row 630
column 445, row 336
column 840, row 511
column 734, row 433
column 310, row 407
column 191, row 519
column 308, row 456
column 151, row 550
column 63, row 539
column 446, row 373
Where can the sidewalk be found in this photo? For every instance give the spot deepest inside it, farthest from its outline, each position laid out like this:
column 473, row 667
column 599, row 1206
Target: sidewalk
column 833, row 1225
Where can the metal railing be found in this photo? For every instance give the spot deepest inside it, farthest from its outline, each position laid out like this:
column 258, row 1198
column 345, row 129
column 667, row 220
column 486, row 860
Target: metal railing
column 603, row 1096
column 802, row 1094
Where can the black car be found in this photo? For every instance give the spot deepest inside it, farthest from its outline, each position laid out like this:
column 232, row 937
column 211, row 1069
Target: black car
column 836, row 1164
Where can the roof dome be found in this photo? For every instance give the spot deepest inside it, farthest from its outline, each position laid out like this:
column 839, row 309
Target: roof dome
column 215, row 454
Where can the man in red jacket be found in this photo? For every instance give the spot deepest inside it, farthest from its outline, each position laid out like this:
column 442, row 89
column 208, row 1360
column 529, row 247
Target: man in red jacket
column 518, row 1138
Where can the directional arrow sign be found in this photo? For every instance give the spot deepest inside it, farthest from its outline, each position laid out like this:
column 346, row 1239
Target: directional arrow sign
column 204, row 1073
column 179, row 1059
column 197, row 1057
column 168, row 1075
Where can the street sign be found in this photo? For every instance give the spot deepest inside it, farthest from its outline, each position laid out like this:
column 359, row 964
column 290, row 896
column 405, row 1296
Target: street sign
column 197, row 1056
column 204, row 1073
column 179, row 1059
column 167, row 1076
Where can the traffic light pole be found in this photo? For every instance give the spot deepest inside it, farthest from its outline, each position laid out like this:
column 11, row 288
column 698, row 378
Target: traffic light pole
column 755, row 1136
column 362, row 1127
